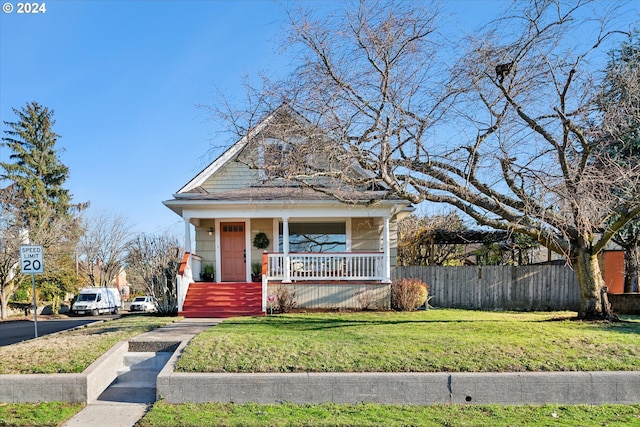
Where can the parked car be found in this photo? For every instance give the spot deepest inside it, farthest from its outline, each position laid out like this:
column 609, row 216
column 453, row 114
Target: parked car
column 144, row 304
column 96, row 301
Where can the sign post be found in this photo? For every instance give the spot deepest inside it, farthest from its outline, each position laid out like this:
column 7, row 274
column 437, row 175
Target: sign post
column 32, row 262
column 271, row 299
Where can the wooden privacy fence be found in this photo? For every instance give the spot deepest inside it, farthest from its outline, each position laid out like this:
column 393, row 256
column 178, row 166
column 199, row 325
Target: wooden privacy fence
column 526, row 288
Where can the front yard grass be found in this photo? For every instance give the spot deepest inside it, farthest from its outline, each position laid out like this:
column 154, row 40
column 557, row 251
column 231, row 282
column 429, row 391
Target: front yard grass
column 252, row 415
column 440, row 340
column 435, row 340
column 37, row 414
column 430, row 341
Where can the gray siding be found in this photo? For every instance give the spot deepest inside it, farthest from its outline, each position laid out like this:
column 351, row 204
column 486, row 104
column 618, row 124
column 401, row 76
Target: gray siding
column 365, row 234
column 205, row 244
column 233, row 176
column 264, row 225
column 336, row 296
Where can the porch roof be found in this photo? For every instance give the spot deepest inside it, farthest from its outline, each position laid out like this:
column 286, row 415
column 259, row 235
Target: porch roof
column 266, row 193
column 292, row 199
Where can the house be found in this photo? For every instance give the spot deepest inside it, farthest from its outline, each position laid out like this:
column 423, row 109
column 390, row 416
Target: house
column 326, row 243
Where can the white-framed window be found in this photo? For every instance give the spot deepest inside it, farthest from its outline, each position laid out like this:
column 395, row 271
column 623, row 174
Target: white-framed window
column 315, row 236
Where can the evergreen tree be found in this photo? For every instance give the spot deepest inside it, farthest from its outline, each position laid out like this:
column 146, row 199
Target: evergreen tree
column 619, row 104
column 35, row 169
column 34, row 199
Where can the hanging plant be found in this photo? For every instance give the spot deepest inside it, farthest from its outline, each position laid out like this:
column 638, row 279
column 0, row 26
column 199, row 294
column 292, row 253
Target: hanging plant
column 261, row 241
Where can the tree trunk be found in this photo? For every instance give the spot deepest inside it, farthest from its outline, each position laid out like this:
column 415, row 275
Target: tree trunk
column 594, row 302
column 631, row 267
column 4, row 313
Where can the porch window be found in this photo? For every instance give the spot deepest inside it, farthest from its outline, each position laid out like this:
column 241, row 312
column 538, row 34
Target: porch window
column 316, row 237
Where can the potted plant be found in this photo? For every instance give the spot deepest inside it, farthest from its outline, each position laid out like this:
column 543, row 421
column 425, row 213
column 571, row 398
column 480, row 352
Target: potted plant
column 256, row 271
column 208, row 273
column 261, row 241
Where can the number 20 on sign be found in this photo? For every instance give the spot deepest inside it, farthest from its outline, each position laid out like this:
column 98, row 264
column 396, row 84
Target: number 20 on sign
column 31, row 259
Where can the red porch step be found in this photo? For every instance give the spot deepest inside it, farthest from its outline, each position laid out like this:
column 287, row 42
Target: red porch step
column 225, row 299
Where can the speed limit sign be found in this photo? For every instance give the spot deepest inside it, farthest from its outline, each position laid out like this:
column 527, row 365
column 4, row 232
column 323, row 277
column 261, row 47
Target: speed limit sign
column 31, row 259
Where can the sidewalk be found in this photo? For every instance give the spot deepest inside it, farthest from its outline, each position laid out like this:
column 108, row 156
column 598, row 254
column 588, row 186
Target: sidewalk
column 123, row 407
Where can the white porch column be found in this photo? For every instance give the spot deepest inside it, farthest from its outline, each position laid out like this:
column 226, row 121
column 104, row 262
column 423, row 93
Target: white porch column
column 386, row 266
column 187, row 235
column 285, row 250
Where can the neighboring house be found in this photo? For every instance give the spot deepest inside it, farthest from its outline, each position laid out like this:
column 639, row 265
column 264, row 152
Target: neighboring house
column 120, row 282
column 324, row 250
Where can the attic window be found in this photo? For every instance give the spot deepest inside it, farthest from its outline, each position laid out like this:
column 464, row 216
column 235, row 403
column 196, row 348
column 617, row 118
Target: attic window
column 275, row 159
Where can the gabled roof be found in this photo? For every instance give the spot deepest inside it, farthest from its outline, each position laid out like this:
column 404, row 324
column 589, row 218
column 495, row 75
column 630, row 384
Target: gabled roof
column 195, row 189
column 230, row 153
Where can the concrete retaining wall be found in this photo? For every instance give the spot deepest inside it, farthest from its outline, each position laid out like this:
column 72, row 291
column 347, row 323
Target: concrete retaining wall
column 404, row 388
column 593, row 388
column 73, row 388
column 399, row 388
column 103, row 371
column 33, row 388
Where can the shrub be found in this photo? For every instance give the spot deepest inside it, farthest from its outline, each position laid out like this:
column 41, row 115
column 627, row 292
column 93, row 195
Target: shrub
column 408, row 294
column 285, row 300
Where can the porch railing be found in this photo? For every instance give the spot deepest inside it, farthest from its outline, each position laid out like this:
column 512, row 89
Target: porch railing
column 298, row 266
column 188, row 272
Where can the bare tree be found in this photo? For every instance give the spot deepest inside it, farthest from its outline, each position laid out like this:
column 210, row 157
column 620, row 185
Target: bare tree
column 532, row 165
column 156, row 259
column 12, row 235
column 415, row 246
column 57, row 239
column 504, row 132
column 102, row 250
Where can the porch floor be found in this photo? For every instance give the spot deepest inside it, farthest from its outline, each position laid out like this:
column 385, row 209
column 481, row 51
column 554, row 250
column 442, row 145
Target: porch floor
column 223, row 299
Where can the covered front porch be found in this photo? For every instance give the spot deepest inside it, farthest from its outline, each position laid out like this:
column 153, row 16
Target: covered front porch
column 326, row 244
column 223, row 248
column 336, row 280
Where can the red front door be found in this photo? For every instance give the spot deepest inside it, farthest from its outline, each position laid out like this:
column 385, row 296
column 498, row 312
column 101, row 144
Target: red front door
column 233, row 252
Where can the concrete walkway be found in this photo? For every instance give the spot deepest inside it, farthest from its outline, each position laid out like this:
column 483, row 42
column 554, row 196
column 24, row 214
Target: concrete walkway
column 124, row 407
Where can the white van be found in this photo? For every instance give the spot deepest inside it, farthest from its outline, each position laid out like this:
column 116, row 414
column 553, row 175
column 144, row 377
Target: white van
column 144, row 303
column 96, row 301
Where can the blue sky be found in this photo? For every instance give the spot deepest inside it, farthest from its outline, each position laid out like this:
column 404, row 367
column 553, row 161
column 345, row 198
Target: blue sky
column 125, row 79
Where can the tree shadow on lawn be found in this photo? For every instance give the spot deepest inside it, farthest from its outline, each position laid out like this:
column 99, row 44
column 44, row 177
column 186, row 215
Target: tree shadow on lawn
column 627, row 325
column 329, row 322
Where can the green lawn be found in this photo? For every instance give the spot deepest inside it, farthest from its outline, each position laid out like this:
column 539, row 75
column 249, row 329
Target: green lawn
column 251, row 415
column 435, row 340
column 428, row 341
column 425, row 341
column 37, row 414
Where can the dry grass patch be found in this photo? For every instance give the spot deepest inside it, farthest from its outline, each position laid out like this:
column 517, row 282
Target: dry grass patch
column 73, row 351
